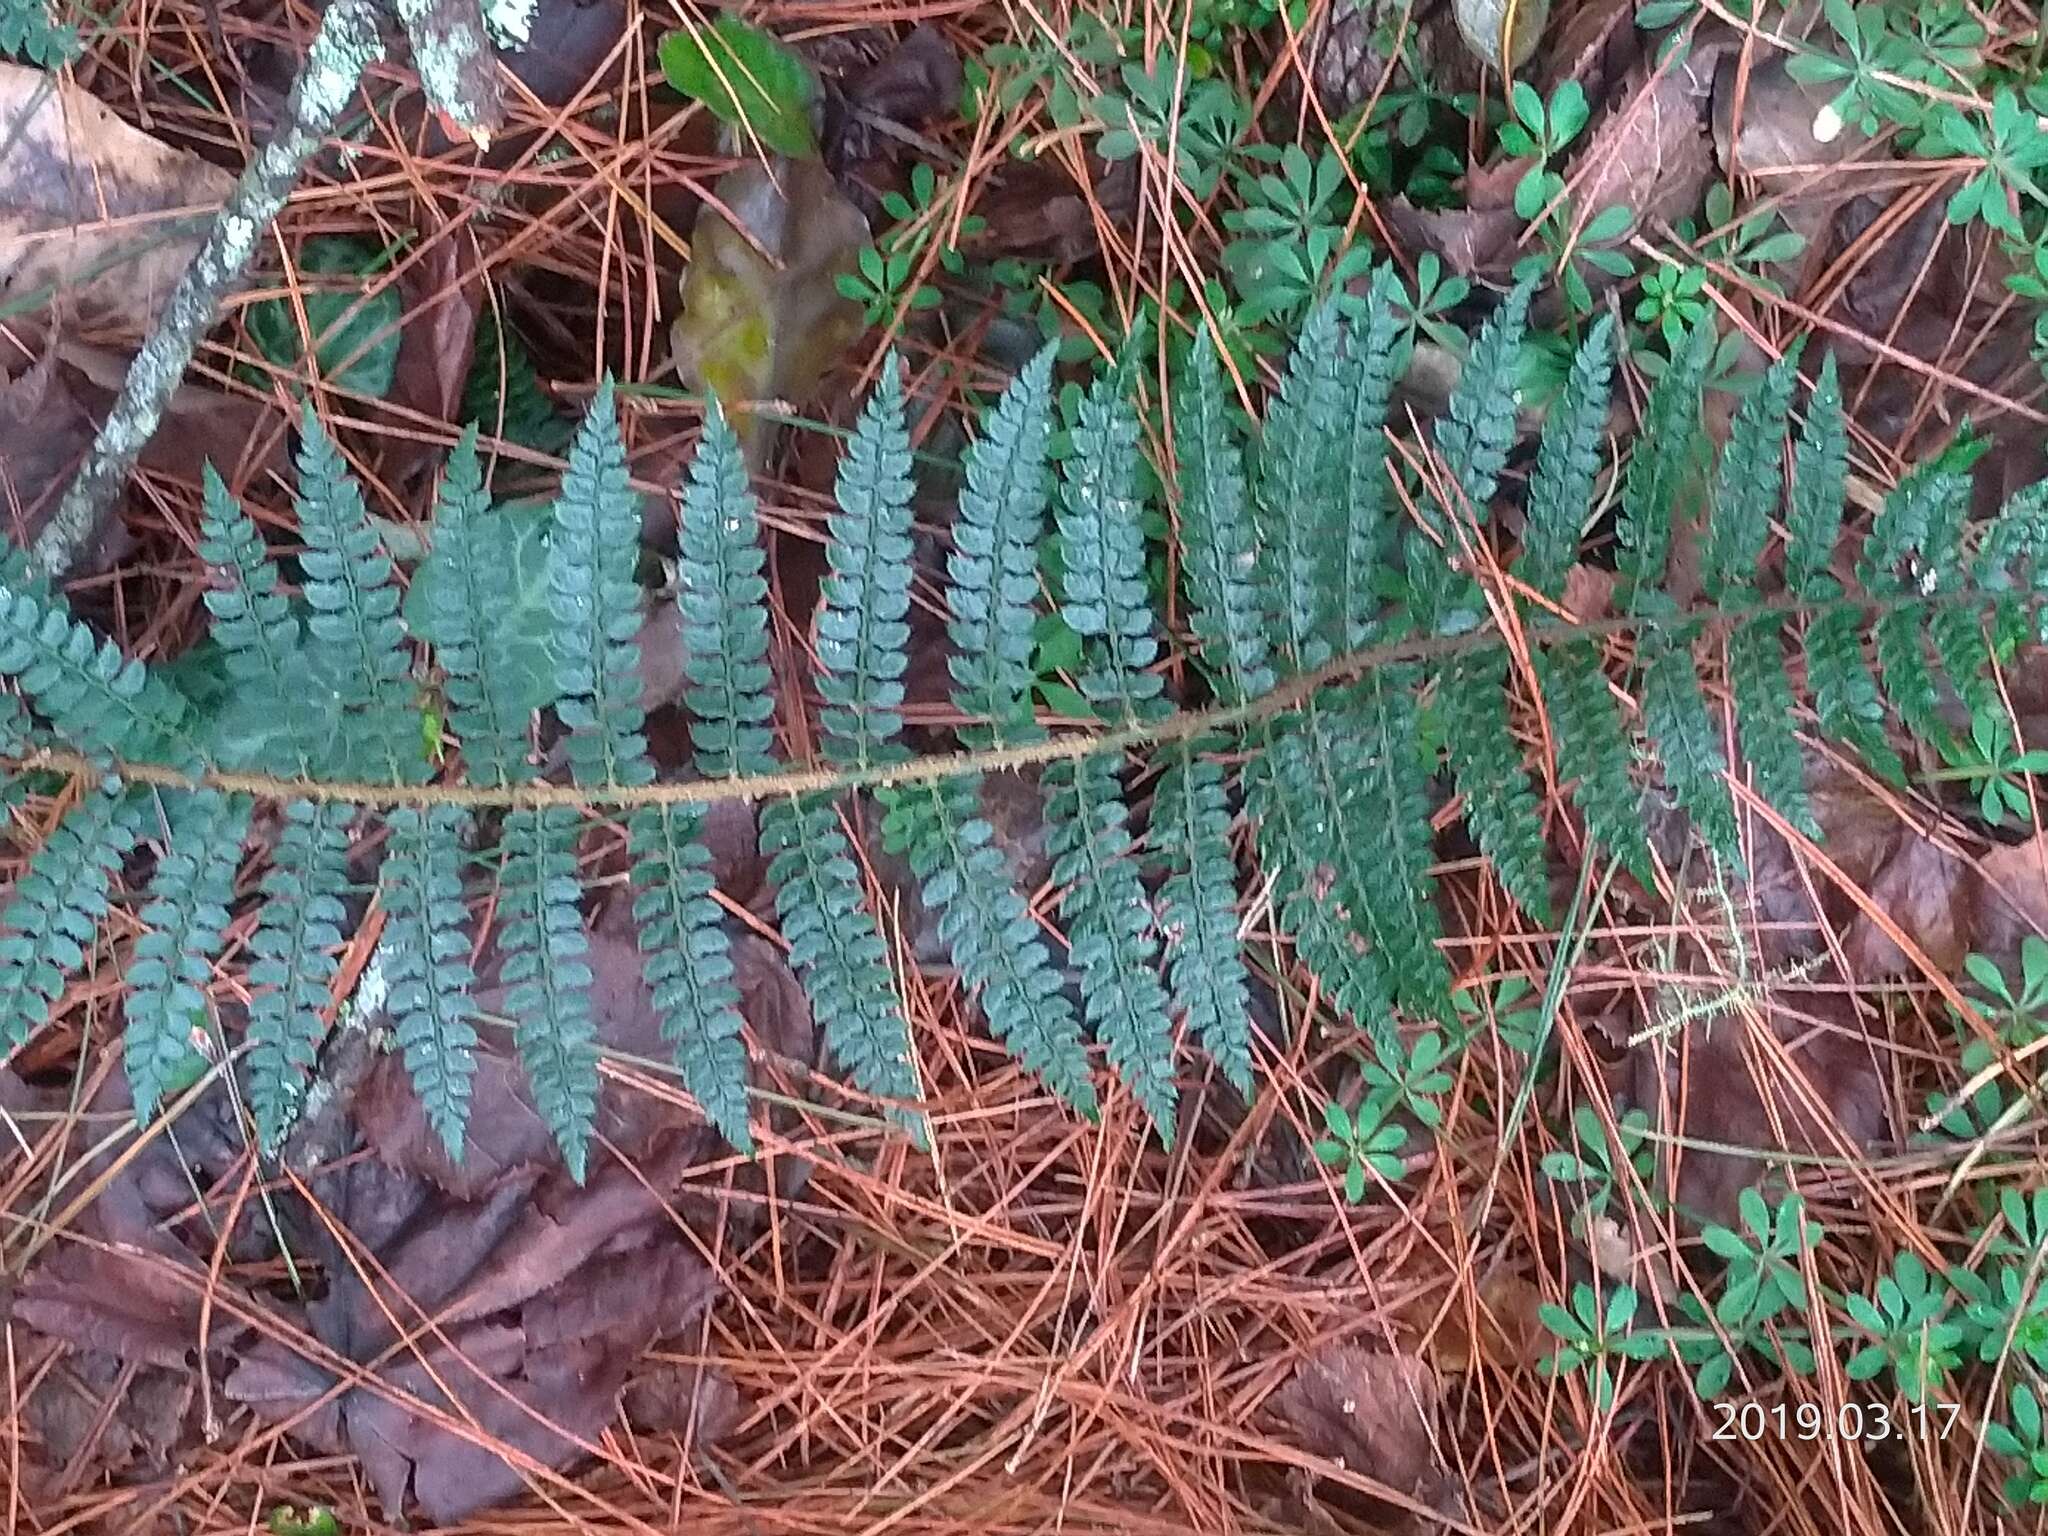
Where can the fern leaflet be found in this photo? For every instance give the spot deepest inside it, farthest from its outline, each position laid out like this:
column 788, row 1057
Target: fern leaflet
column 1219, row 540
column 1189, row 834
column 1298, row 470
column 1567, row 464
column 294, row 947
column 687, row 960
column 865, row 596
column 1479, row 425
column 1747, row 484
column 546, row 974
column 993, row 568
column 83, row 685
column 357, row 640
column 186, row 918
column 723, row 597
column 1820, row 475
column 1366, row 388
column 1593, row 751
column 53, row 913
column 491, row 693
column 1676, row 715
column 595, row 605
column 1658, row 465
column 426, row 958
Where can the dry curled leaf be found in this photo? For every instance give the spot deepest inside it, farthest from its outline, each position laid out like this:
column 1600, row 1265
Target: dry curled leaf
column 96, row 212
column 1369, row 1412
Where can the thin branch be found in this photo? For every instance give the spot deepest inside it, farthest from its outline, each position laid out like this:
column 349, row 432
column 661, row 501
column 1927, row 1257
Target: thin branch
column 344, row 47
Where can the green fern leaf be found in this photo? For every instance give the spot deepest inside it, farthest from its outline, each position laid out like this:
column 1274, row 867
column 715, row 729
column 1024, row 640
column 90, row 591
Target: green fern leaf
column 294, row 946
column 724, row 602
column 1845, row 696
column 94, row 696
column 993, row 568
column 1389, row 809
column 547, row 976
column 491, row 687
column 1593, row 751
column 1478, row 427
column 1764, row 710
column 1109, row 931
column 2013, row 560
column 837, row 947
column 186, row 919
column 1660, row 461
column 1366, row 389
column 687, row 960
column 1820, row 476
column 864, row 601
column 356, row 638
column 1102, row 540
column 1748, row 483
column 596, row 604
column 292, row 727
column 53, row 912
column 1219, row 540
column 1567, row 464
column 1284, row 792
column 426, row 964
column 1298, row 486
column 1486, row 765
column 1675, row 713
column 1189, row 835
column 1911, row 548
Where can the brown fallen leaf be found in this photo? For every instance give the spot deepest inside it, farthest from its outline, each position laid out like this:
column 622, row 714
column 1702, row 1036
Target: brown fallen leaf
column 1509, row 1336
column 98, row 212
column 1371, row 1413
column 442, row 295
column 1650, row 155
column 762, row 317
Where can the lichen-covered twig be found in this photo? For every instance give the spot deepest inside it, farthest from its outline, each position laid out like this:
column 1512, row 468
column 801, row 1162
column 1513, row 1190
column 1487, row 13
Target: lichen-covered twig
column 345, row 46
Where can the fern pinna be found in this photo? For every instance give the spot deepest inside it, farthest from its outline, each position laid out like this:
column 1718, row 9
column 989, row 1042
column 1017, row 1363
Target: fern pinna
column 1360, row 643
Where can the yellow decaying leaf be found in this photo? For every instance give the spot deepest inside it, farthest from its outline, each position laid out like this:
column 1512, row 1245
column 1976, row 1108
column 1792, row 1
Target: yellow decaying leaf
column 757, row 327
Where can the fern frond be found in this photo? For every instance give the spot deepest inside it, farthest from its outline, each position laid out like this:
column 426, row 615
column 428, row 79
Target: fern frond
column 426, row 963
column 1189, row 834
column 1568, row 463
column 864, row 599
column 54, row 910
column 547, row 976
column 595, row 604
column 356, row 638
column 491, row 693
column 294, row 963
column 84, row 686
column 993, row 568
column 263, row 644
column 1297, row 489
column 1593, row 751
column 724, row 601
column 1748, row 482
column 1845, row 696
column 1911, row 548
column 1675, row 714
column 988, row 929
column 1102, row 540
column 1659, row 463
column 1764, row 711
column 1366, row 389
column 2013, row 559
column 186, row 919
column 1283, row 791
column 1478, row 427
column 1820, row 477
column 1486, row 764
column 1109, row 931
column 837, row 946
column 687, row 960
column 1390, row 794
column 1219, row 540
